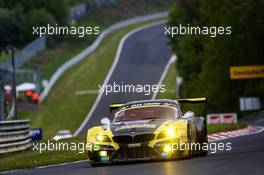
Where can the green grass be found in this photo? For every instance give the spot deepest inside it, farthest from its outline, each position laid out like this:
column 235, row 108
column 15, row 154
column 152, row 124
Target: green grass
column 65, row 48
column 63, row 109
column 54, row 56
column 170, row 84
column 215, row 128
column 31, row 159
column 4, row 57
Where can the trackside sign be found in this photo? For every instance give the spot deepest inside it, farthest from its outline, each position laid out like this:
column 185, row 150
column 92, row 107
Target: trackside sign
column 221, row 118
column 246, row 72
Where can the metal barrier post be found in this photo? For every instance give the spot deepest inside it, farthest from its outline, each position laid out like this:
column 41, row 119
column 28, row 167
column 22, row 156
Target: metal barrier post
column 14, row 81
column 1, row 104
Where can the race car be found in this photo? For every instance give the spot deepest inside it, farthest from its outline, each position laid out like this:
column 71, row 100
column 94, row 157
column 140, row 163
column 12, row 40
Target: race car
column 147, row 130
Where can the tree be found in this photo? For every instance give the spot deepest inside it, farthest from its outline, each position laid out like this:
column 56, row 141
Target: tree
column 12, row 28
column 18, row 17
column 204, row 62
column 36, row 18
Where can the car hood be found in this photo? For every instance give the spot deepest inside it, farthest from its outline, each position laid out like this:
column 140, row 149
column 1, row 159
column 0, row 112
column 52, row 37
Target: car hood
column 136, row 127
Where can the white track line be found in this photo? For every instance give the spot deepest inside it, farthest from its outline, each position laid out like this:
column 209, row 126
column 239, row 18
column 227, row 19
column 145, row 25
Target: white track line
column 42, row 167
column 85, row 92
column 120, row 47
column 260, row 129
column 171, row 61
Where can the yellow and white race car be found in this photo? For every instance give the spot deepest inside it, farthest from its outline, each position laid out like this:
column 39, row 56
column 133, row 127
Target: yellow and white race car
column 146, row 130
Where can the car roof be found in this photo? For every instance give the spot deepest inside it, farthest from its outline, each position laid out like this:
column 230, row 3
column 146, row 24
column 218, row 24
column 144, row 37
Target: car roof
column 155, row 102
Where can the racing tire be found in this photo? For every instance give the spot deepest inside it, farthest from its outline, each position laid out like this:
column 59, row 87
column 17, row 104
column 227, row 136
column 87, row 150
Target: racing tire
column 204, row 139
column 189, row 136
column 94, row 164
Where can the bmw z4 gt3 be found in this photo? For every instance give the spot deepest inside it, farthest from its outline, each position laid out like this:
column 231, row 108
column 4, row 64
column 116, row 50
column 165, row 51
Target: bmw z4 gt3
column 145, row 130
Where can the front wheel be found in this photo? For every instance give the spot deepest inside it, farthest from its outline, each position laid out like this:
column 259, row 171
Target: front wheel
column 189, row 136
column 204, row 139
column 95, row 160
column 94, row 164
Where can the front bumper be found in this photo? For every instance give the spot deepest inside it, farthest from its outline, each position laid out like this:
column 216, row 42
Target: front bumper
column 132, row 152
column 128, row 153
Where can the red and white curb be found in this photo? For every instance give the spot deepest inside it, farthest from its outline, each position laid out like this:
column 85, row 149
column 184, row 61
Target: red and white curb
column 237, row 133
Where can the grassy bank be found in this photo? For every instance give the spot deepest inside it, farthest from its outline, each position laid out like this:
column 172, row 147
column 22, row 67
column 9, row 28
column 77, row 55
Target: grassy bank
column 66, row 47
column 31, row 159
column 170, row 84
column 65, row 109
column 215, row 128
column 4, row 57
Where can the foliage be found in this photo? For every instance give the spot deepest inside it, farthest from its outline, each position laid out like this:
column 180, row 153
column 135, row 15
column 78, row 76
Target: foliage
column 204, row 62
column 18, row 17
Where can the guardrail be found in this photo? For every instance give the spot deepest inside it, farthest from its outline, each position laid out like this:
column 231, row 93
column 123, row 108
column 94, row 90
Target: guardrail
column 82, row 55
column 79, row 10
column 14, row 136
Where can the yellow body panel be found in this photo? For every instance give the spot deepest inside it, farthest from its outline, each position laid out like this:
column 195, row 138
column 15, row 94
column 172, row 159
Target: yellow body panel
column 179, row 126
column 91, row 134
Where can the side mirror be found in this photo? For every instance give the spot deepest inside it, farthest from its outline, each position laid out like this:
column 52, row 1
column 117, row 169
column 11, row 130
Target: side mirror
column 105, row 121
column 188, row 114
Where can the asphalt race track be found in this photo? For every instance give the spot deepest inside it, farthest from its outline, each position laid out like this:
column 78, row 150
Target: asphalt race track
column 245, row 158
column 143, row 59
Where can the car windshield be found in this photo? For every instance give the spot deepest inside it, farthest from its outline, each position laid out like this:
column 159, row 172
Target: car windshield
column 145, row 113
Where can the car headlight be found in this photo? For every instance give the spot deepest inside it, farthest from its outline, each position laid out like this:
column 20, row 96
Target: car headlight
column 102, row 138
column 170, row 133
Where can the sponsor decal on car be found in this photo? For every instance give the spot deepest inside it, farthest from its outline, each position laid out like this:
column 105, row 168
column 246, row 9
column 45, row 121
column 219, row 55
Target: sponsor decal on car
column 145, row 125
